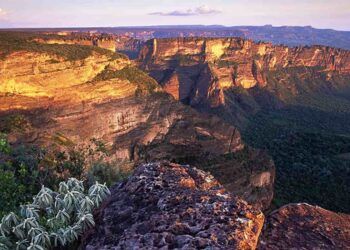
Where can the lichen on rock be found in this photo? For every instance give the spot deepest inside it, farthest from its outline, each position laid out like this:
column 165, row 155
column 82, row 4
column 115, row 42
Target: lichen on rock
column 165, row 205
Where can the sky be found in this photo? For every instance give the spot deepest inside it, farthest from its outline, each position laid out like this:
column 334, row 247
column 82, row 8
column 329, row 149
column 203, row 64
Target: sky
column 333, row 14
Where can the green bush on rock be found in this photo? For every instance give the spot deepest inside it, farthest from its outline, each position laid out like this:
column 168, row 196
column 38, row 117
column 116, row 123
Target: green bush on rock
column 53, row 219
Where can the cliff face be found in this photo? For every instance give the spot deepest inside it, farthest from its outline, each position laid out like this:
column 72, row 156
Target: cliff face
column 199, row 70
column 171, row 206
column 34, row 76
column 105, row 98
column 302, row 226
column 113, row 43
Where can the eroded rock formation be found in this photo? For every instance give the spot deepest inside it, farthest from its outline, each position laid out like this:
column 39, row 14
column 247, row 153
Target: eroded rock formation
column 111, row 42
column 105, row 98
column 302, row 226
column 168, row 206
column 199, row 70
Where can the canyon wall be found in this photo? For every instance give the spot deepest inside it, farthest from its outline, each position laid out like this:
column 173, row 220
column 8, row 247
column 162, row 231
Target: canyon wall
column 106, row 98
column 114, row 43
column 199, row 70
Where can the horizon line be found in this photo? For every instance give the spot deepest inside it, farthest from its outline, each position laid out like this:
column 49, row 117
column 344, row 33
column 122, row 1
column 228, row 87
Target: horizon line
column 170, row 25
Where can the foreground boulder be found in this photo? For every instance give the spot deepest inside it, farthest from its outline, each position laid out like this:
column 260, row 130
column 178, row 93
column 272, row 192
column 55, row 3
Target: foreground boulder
column 164, row 205
column 302, row 226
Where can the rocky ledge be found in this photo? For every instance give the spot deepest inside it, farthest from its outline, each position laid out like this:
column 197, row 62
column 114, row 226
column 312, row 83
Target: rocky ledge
column 302, row 226
column 167, row 206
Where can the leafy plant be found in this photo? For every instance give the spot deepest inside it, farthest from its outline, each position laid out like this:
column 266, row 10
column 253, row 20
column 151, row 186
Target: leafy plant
column 53, row 219
column 24, row 169
column 4, row 145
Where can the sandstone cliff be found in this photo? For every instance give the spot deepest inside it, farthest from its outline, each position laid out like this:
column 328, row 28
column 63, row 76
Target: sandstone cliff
column 114, row 43
column 169, row 206
column 203, row 72
column 106, row 98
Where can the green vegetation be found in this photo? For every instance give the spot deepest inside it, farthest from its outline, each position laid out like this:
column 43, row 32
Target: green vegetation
column 13, row 122
column 24, row 169
column 302, row 119
column 53, row 219
column 305, row 145
column 50, row 219
column 133, row 75
column 14, row 41
column 226, row 64
column 184, row 59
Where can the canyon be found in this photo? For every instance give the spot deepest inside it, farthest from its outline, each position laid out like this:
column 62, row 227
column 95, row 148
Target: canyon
column 175, row 113
column 292, row 101
column 110, row 100
column 202, row 72
column 286, row 35
column 114, row 43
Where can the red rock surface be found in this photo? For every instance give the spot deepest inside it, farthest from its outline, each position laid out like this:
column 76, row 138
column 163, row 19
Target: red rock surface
column 168, row 206
column 302, row 226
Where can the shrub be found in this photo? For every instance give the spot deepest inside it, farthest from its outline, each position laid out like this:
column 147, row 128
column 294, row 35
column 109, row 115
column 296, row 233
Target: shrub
column 4, row 145
column 226, row 64
column 105, row 172
column 24, row 169
column 53, row 219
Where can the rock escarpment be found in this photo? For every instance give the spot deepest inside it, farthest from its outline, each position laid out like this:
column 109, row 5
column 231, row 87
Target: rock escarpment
column 111, row 42
column 105, row 98
column 200, row 71
column 167, row 206
column 302, row 226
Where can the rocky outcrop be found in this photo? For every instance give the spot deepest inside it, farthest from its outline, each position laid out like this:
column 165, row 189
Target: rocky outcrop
column 302, row 226
column 34, row 76
column 111, row 42
column 170, row 206
column 207, row 146
column 203, row 68
column 138, row 123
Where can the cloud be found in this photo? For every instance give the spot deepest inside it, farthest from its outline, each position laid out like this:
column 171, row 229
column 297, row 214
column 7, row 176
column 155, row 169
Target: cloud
column 3, row 13
column 201, row 10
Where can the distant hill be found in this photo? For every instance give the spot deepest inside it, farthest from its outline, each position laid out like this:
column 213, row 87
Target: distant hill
column 287, row 35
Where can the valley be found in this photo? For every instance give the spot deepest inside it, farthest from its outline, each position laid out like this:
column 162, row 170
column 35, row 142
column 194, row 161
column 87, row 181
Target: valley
column 292, row 102
column 210, row 128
